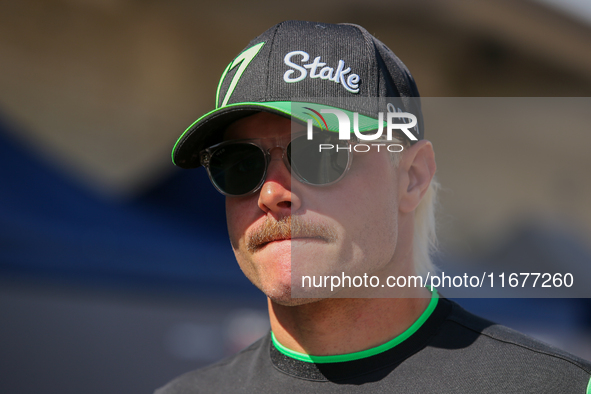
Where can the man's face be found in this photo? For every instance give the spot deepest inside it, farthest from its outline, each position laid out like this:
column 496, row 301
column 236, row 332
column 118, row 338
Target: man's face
column 350, row 226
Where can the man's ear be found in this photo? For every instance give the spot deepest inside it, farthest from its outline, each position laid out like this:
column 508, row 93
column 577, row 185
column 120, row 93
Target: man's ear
column 416, row 169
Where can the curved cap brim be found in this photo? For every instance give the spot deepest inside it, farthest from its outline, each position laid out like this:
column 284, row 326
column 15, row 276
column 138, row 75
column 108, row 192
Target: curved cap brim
column 208, row 129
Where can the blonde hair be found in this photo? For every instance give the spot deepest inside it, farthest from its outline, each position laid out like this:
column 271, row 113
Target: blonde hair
column 425, row 235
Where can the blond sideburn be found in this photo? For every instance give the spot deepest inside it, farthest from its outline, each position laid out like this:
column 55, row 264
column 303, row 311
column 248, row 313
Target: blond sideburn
column 425, row 235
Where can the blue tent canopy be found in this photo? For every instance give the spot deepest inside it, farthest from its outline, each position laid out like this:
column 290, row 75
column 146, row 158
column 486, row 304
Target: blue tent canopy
column 173, row 235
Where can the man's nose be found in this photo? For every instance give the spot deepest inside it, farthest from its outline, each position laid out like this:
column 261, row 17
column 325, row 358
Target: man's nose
column 276, row 196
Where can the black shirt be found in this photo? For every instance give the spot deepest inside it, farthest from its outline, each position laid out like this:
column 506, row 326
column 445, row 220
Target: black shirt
column 452, row 351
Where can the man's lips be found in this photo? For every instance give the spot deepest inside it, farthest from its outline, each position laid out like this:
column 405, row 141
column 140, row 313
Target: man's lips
column 263, row 244
column 279, row 239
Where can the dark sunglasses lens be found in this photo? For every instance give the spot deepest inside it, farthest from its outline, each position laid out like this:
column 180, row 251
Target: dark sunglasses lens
column 237, row 169
column 318, row 166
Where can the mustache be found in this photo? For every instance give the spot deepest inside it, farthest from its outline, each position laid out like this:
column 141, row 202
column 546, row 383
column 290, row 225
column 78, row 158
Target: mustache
column 286, row 228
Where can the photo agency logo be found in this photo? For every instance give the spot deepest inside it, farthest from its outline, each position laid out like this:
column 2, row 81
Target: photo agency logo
column 388, row 126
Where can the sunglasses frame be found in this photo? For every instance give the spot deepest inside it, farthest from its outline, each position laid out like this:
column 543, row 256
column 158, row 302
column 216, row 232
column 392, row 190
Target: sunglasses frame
column 266, row 145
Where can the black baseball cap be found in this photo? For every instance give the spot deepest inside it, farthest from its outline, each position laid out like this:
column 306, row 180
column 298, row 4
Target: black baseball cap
column 299, row 62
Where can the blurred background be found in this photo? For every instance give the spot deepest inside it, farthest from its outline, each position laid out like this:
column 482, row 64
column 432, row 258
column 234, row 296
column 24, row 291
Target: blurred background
column 116, row 274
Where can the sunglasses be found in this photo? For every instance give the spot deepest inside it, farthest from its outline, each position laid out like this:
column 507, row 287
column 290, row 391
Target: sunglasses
column 239, row 167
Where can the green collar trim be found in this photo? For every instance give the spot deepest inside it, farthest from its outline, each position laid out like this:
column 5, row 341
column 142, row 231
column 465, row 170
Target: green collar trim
column 364, row 353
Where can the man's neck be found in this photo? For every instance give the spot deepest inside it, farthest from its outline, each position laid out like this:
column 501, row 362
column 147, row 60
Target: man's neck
column 344, row 325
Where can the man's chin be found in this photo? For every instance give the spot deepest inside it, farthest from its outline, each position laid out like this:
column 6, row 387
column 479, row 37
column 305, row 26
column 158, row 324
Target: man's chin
column 288, row 301
column 284, row 296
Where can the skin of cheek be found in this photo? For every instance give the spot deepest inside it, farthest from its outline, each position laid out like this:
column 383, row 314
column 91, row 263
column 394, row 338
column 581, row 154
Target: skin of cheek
column 364, row 207
column 238, row 221
column 268, row 269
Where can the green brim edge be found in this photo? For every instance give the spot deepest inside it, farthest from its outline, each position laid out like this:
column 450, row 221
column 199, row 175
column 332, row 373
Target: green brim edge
column 296, row 110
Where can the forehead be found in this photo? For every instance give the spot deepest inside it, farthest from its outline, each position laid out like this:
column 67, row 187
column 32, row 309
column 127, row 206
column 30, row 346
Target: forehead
column 261, row 125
